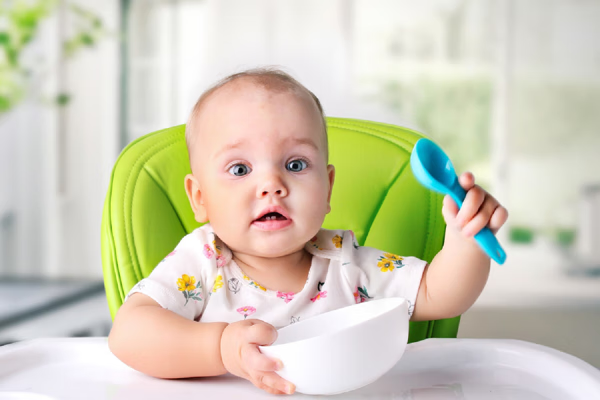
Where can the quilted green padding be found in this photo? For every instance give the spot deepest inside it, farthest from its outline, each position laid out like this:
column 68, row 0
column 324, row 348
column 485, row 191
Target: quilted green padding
column 146, row 211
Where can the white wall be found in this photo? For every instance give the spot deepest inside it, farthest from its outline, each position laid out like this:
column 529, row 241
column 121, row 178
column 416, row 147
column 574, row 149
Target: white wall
column 178, row 49
column 59, row 159
column 28, row 170
column 91, row 128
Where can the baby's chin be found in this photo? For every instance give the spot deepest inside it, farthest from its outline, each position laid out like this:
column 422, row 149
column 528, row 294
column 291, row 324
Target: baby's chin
column 273, row 253
column 269, row 250
column 269, row 244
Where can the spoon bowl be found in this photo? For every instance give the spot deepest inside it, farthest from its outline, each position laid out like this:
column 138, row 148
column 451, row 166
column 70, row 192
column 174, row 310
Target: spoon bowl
column 431, row 165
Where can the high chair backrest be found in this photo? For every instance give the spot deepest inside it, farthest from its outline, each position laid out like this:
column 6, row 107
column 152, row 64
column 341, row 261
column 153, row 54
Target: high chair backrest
column 375, row 194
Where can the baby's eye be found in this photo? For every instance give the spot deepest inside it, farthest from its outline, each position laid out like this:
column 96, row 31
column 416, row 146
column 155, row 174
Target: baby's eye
column 239, row 170
column 296, row 165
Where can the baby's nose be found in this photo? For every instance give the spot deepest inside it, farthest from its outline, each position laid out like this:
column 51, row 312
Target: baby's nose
column 266, row 192
column 273, row 186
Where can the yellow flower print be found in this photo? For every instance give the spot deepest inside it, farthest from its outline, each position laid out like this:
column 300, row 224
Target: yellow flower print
column 256, row 285
column 392, row 257
column 218, row 283
column 337, row 240
column 252, row 283
column 217, row 248
column 186, row 283
column 385, row 265
column 388, row 262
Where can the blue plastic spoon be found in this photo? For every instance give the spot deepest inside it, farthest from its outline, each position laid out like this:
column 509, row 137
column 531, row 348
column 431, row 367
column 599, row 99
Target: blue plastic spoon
column 434, row 170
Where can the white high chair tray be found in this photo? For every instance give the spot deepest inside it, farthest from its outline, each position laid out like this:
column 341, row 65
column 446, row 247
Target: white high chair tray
column 477, row 369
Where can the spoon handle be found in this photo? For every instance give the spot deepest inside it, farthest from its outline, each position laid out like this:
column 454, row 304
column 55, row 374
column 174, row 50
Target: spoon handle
column 488, row 242
column 485, row 238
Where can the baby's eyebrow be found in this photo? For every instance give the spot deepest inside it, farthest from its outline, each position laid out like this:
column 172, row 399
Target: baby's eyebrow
column 230, row 146
column 240, row 143
column 305, row 141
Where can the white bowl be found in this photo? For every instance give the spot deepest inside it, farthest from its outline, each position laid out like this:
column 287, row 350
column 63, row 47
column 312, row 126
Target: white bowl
column 344, row 349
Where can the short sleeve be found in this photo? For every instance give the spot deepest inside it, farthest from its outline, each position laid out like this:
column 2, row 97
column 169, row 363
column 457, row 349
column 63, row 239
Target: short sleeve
column 379, row 274
column 179, row 282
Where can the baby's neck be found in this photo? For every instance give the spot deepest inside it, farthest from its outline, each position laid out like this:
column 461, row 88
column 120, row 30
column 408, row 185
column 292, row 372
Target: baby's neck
column 285, row 274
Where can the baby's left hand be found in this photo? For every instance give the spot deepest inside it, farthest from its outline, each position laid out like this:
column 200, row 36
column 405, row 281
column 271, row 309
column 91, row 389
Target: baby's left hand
column 479, row 209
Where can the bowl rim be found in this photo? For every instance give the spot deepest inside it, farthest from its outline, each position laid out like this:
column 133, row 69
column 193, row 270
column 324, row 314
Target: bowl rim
column 401, row 301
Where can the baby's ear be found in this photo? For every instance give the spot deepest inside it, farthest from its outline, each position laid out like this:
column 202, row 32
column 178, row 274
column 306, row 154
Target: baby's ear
column 192, row 188
column 331, row 176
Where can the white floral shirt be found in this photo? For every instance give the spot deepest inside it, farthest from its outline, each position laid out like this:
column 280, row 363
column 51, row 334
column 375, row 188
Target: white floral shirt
column 200, row 281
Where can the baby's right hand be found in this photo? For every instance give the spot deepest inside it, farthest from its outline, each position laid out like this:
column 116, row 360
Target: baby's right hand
column 241, row 356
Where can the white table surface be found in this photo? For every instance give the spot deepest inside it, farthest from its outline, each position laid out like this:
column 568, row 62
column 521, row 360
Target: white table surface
column 477, row 369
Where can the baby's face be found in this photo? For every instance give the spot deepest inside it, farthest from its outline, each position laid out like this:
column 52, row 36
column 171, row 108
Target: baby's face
column 261, row 152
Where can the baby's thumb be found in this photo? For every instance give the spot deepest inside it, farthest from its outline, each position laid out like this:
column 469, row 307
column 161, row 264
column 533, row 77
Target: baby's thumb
column 449, row 210
column 261, row 333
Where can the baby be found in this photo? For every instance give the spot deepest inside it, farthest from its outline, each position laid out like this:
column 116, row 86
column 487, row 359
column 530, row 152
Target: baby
column 257, row 143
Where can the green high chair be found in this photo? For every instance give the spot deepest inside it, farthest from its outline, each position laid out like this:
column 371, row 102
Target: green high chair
column 146, row 211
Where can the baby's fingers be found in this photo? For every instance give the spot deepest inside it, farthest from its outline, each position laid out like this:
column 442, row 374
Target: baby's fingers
column 481, row 219
column 272, row 383
column 254, row 360
column 261, row 369
column 473, row 202
column 450, row 208
column 466, row 180
column 498, row 218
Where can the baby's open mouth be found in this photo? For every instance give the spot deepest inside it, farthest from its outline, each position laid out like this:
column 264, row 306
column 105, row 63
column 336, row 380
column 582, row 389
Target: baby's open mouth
column 272, row 216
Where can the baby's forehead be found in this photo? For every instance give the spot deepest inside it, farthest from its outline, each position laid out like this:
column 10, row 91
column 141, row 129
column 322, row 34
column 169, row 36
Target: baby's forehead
column 237, row 101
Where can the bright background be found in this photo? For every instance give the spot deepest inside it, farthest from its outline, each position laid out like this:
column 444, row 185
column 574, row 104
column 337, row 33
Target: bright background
column 511, row 90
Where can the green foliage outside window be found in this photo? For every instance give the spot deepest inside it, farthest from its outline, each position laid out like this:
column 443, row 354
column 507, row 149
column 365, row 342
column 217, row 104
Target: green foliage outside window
column 19, row 25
